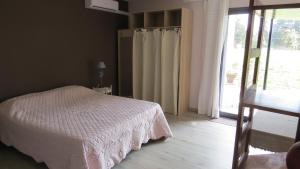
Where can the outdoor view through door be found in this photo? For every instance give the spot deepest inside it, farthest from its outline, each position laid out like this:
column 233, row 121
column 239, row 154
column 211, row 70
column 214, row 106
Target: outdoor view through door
column 233, row 63
column 279, row 67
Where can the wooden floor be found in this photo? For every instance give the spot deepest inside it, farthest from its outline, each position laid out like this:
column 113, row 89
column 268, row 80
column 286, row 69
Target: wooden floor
column 197, row 144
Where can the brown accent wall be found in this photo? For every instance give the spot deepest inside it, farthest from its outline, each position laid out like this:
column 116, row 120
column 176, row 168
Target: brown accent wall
column 51, row 43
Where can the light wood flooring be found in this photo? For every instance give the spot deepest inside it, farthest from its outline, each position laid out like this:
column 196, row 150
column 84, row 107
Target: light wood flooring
column 197, row 144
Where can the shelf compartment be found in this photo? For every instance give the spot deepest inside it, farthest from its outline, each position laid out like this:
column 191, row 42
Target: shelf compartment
column 137, row 20
column 173, row 17
column 154, row 19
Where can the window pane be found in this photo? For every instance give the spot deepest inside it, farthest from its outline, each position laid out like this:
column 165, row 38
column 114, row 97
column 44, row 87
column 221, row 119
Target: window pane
column 284, row 69
column 256, row 29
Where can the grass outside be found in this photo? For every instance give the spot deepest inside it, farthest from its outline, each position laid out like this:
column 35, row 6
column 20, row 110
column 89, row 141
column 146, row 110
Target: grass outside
column 284, row 74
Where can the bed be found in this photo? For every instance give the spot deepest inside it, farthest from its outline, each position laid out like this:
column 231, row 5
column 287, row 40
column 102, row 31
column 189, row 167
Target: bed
column 75, row 127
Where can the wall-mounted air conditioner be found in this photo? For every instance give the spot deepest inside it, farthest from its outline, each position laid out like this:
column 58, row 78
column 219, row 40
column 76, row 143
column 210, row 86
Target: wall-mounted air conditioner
column 106, row 5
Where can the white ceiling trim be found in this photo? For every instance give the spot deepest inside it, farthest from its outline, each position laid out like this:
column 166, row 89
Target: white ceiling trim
column 245, row 3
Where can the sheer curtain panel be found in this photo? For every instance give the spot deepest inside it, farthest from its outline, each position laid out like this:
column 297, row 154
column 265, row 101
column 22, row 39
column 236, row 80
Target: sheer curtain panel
column 215, row 27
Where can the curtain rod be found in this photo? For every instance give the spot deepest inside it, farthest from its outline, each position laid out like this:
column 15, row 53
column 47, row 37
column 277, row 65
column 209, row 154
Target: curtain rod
column 151, row 28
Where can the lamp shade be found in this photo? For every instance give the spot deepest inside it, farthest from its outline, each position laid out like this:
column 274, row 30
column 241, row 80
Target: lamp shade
column 101, row 65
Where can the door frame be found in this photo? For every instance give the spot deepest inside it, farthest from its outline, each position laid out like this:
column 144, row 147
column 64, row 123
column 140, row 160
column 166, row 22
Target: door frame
column 232, row 11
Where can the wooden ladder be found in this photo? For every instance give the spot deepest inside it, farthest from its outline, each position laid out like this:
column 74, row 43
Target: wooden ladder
column 251, row 55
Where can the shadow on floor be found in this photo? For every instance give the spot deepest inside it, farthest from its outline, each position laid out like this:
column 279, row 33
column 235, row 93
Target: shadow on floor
column 13, row 159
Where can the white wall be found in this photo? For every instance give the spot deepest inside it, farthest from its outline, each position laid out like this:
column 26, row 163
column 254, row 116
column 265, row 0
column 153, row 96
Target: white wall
column 196, row 7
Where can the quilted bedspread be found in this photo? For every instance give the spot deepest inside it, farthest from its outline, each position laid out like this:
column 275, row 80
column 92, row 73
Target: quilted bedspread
column 77, row 128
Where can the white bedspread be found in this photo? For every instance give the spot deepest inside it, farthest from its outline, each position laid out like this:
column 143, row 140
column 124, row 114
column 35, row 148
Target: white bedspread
column 76, row 128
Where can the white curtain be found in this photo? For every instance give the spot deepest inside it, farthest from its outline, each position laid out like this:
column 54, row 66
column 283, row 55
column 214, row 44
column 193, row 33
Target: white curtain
column 156, row 66
column 214, row 32
column 170, row 70
column 137, row 62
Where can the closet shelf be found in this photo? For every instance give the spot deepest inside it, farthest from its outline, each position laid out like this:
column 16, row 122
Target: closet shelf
column 164, row 18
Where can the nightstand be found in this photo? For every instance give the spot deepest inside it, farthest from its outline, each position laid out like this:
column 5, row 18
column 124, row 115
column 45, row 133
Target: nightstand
column 104, row 90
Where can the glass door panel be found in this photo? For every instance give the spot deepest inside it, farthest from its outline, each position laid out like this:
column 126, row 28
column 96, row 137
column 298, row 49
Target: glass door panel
column 284, row 63
column 233, row 63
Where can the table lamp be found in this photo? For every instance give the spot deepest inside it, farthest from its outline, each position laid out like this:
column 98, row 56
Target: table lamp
column 101, row 66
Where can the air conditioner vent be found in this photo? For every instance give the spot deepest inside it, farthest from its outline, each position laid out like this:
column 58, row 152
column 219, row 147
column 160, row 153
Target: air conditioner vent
column 102, row 4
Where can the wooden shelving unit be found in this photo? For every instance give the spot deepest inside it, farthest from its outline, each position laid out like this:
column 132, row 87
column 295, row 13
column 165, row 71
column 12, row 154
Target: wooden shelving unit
column 165, row 18
column 181, row 18
column 253, row 98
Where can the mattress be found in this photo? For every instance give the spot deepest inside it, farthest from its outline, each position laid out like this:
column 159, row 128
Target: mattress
column 77, row 128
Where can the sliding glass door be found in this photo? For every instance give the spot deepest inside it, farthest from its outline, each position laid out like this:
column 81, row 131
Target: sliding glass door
column 279, row 60
column 232, row 64
column 282, row 71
